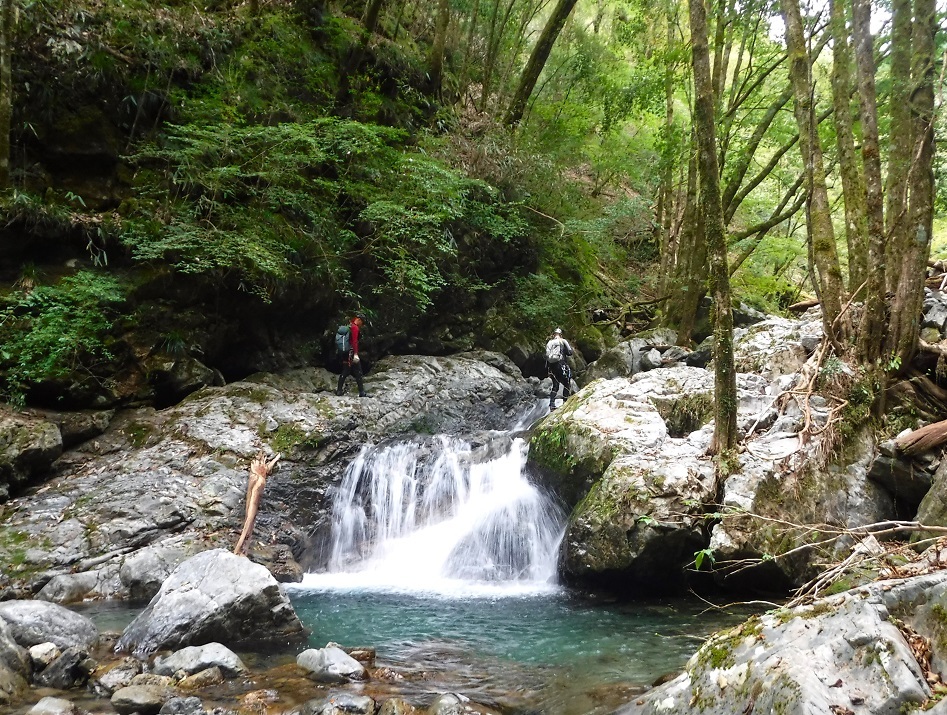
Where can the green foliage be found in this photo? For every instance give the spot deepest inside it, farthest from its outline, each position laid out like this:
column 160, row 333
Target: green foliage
column 274, row 205
column 704, row 556
column 51, row 331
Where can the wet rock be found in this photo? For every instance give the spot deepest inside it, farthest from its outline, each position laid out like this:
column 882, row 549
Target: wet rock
column 202, row 679
column 196, row 658
column 212, row 594
column 142, row 699
column 117, row 676
column 35, row 622
column 330, row 665
column 42, row 654
column 53, row 706
column 74, row 587
column 183, row 706
column 70, row 670
column 396, row 706
column 340, row 704
column 448, row 704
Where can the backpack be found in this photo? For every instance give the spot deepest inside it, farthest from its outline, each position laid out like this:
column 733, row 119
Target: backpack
column 343, row 338
column 554, row 350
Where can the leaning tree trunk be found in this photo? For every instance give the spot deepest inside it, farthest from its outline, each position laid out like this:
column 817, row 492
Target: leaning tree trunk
column 440, row 42
column 6, row 89
column 537, row 60
column 871, row 332
column 899, row 142
column 909, row 296
column 819, row 225
column 725, row 387
column 259, row 470
column 853, row 188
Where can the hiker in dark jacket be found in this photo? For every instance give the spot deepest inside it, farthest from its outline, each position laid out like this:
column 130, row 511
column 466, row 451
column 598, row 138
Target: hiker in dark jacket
column 351, row 362
column 558, row 352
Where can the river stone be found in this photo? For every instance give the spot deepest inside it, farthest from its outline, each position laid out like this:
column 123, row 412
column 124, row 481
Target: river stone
column 35, row 622
column 53, row 706
column 396, row 706
column 214, row 594
column 74, row 587
column 14, row 666
column 70, row 670
column 118, row 676
column 142, row 699
column 190, row 705
column 42, row 654
column 340, row 704
column 196, row 658
column 202, row 679
column 838, row 653
column 143, row 572
column 330, row 665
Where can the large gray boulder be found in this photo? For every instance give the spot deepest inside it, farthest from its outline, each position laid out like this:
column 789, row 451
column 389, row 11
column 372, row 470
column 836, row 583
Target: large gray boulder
column 843, row 654
column 35, row 622
column 212, row 597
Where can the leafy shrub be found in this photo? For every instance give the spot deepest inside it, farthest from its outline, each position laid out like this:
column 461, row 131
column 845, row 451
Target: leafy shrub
column 51, row 331
column 275, row 205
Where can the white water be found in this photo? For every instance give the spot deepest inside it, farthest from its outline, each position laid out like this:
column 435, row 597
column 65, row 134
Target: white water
column 442, row 520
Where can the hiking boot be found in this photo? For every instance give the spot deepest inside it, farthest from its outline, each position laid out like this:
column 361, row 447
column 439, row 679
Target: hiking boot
column 363, row 394
column 552, row 406
column 339, row 392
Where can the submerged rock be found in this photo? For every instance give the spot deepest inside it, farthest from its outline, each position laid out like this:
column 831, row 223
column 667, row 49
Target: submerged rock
column 212, row 596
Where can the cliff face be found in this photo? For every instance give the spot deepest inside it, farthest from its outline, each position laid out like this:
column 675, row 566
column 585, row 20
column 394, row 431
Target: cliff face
column 247, row 182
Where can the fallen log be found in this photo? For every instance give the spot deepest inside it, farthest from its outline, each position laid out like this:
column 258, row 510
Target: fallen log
column 803, row 305
column 259, row 470
column 923, row 439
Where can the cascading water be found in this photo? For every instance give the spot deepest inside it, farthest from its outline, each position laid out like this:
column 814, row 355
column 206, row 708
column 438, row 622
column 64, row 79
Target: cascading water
column 438, row 516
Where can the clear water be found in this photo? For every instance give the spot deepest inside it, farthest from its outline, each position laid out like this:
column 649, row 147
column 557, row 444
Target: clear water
column 552, row 653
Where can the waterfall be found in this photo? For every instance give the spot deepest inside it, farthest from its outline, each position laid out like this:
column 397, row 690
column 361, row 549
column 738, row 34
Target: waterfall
column 438, row 516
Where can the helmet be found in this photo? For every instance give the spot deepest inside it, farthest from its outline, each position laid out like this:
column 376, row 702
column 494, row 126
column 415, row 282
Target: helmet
column 558, row 331
column 361, row 315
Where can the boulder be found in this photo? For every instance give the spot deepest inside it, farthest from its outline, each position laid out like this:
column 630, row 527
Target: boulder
column 396, row 706
column 625, row 359
column 933, row 507
column 142, row 699
column 214, row 594
column 14, row 666
column 907, row 481
column 35, row 622
column 842, row 654
column 202, row 679
column 118, row 676
column 193, row 659
column 143, row 572
column 53, row 706
column 74, row 587
column 28, row 447
column 42, row 654
column 330, row 665
column 70, row 670
column 183, row 706
column 340, row 704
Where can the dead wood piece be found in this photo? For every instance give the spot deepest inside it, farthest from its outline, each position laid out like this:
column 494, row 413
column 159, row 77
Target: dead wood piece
column 923, row 439
column 259, row 470
column 803, row 305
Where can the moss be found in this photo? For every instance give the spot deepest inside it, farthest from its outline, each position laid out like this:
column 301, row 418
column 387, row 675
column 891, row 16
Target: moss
column 138, row 433
column 286, row 438
column 685, row 413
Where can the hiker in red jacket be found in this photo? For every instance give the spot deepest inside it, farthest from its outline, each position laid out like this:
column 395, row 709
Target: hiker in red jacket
column 351, row 362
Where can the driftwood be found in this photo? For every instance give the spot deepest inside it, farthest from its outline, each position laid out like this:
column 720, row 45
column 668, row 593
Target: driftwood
column 923, row 439
column 259, row 470
column 803, row 305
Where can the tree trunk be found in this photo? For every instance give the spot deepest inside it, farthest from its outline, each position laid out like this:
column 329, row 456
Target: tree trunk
column 370, row 18
column 6, row 89
column 440, row 42
column 259, row 470
column 819, row 225
column 899, row 142
column 909, row 296
column 871, row 333
column 537, row 60
column 725, row 388
column 853, row 189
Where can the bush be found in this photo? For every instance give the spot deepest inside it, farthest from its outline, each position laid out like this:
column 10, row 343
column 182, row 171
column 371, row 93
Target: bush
column 49, row 332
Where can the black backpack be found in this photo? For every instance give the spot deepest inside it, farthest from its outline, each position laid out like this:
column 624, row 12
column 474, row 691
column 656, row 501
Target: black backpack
column 343, row 338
